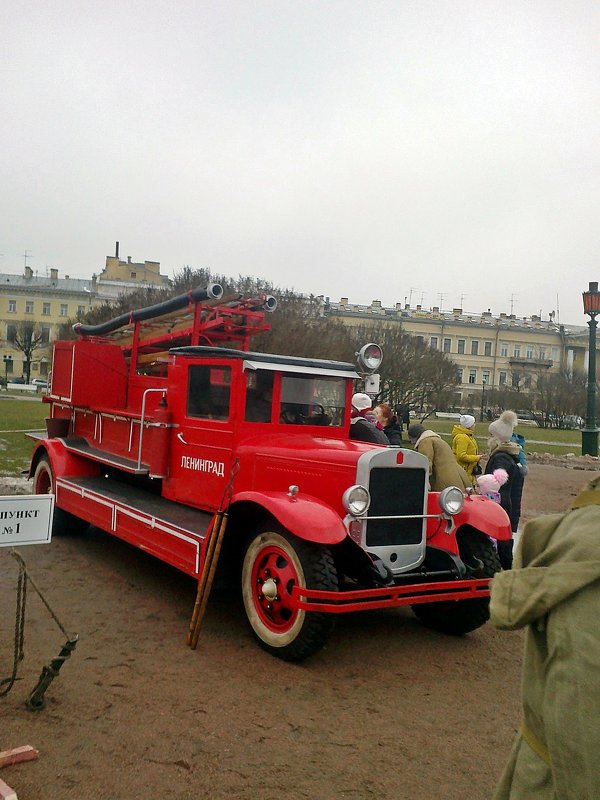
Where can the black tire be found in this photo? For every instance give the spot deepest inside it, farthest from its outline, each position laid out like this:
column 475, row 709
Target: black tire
column 458, row 617
column 277, row 559
column 63, row 522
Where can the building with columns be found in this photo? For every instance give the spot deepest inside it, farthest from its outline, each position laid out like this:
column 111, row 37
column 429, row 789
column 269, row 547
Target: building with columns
column 490, row 351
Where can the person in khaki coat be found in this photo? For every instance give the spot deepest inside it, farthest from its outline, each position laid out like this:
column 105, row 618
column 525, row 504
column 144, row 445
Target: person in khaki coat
column 553, row 591
column 443, row 469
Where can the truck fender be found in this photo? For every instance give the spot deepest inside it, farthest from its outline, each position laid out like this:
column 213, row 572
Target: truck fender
column 485, row 515
column 478, row 512
column 305, row 516
column 61, row 460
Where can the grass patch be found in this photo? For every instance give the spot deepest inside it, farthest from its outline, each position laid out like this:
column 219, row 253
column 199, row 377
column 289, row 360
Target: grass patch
column 16, row 417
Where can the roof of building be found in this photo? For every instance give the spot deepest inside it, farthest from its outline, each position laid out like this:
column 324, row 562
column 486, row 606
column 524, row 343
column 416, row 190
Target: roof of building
column 456, row 315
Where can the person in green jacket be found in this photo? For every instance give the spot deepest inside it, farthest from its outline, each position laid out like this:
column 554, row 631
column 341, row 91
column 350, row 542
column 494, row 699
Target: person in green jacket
column 553, row 592
column 464, row 445
column 443, row 469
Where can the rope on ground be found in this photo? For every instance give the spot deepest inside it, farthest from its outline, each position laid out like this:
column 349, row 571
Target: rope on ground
column 35, row 700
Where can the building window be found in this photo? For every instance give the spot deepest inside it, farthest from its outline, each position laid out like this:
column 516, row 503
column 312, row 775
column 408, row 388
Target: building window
column 517, row 351
column 11, row 333
column 461, row 347
column 555, row 354
column 474, row 347
column 485, row 376
column 472, row 376
column 29, row 306
column 504, row 349
column 46, row 309
column 447, row 345
column 12, row 306
column 419, row 339
column 433, row 342
column 45, row 334
column 64, row 310
column 8, row 365
column 502, row 379
column 543, row 353
column 80, row 311
column 529, row 351
column 459, row 375
column 133, row 276
column 516, row 380
column 527, row 381
column 487, row 348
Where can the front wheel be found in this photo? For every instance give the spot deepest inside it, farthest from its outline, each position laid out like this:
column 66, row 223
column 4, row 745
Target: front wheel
column 63, row 522
column 274, row 562
column 457, row 617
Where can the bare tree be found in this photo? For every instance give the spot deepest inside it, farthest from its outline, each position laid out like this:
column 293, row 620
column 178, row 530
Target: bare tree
column 559, row 396
column 27, row 337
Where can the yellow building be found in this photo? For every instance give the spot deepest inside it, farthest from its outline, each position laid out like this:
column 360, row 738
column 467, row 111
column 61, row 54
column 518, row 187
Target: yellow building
column 489, row 351
column 50, row 301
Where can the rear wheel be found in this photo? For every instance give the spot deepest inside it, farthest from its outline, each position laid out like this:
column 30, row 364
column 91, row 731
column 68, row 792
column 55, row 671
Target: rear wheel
column 274, row 562
column 63, row 522
column 457, row 617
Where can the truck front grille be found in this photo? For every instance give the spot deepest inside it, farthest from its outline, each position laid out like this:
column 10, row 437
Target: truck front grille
column 395, row 492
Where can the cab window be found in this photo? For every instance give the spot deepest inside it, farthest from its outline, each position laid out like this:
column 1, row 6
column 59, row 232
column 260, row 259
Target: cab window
column 209, row 390
column 259, row 396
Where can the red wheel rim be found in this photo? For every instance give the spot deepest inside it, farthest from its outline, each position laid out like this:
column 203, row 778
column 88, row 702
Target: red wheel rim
column 273, row 575
column 43, row 483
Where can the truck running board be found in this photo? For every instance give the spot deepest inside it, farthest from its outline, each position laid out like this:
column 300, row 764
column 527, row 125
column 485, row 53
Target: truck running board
column 81, row 447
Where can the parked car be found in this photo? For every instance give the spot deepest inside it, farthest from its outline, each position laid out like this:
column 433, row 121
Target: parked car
column 41, row 383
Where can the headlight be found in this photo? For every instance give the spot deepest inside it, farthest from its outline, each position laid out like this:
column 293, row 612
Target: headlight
column 452, row 500
column 370, row 357
column 356, row 500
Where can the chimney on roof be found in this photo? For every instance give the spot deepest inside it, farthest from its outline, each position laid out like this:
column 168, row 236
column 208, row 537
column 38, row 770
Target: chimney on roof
column 53, row 274
column 116, row 249
column 28, row 272
column 129, row 259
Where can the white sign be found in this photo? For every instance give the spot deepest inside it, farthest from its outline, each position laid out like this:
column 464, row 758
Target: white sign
column 26, row 519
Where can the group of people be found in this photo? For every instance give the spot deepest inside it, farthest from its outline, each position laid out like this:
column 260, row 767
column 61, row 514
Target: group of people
column 458, row 464
column 377, row 426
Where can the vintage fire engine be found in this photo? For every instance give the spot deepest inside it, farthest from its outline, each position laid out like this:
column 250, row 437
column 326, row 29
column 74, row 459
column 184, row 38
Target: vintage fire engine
column 153, row 413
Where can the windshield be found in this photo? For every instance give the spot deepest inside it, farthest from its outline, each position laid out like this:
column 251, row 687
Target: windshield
column 312, row 400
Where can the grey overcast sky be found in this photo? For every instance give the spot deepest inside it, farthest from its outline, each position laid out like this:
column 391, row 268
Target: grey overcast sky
column 434, row 152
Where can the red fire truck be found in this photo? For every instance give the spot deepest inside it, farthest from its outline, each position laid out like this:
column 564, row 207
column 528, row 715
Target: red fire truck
column 158, row 415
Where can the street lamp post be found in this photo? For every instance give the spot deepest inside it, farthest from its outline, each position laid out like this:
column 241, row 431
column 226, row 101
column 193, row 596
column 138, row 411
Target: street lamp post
column 482, row 400
column 589, row 435
column 7, row 361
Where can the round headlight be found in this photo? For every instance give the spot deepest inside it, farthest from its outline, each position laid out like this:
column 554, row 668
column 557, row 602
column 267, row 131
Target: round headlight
column 356, row 500
column 452, row 500
column 370, row 357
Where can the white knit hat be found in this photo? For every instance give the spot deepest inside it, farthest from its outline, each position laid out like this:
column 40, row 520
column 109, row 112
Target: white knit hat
column 502, row 428
column 361, row 401
column 466, row 420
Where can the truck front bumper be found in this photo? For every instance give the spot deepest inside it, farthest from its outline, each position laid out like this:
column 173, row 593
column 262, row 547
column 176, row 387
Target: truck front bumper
column 388, row 596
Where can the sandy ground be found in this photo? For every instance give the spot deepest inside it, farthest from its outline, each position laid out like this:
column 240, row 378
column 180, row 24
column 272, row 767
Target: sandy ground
column 388, row 709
